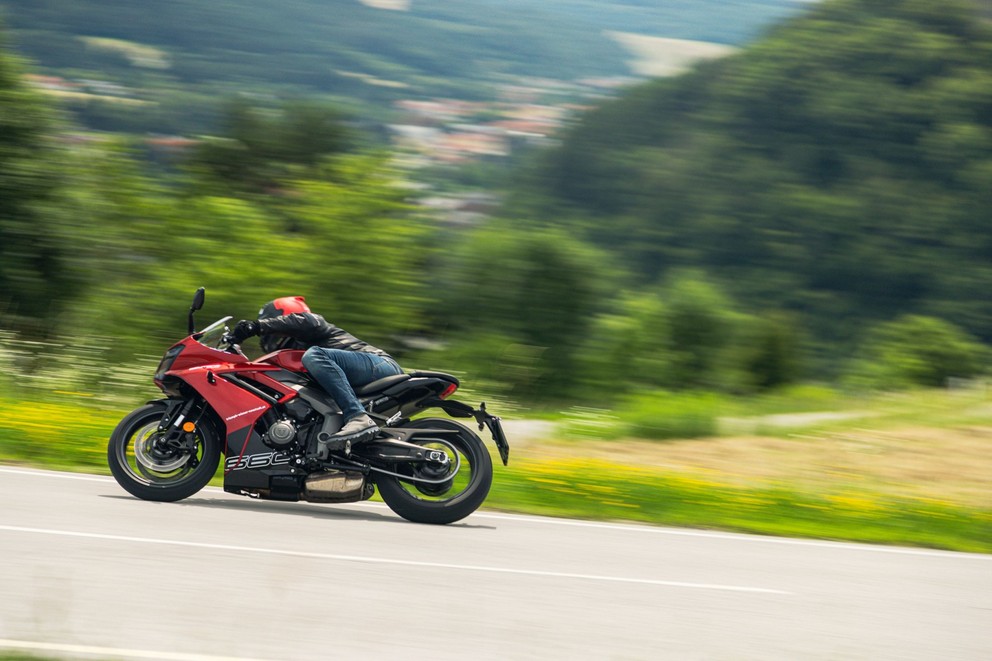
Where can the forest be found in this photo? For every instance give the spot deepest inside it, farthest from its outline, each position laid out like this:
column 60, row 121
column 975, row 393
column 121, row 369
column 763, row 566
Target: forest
column 836, row 173
column 814, row 208
column 352, row 54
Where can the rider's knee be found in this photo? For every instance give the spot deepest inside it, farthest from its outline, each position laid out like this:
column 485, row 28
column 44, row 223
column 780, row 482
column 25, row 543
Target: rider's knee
column 310, row 357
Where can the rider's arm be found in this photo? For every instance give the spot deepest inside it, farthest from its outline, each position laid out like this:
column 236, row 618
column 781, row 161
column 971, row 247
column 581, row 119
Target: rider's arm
column 299, row 325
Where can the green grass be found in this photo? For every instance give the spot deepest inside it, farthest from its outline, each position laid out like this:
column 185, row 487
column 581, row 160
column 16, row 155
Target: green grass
column 597, row 490
column 68, row 435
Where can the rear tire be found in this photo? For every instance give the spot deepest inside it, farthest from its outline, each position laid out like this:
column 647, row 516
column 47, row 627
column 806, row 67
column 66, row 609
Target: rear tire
column 148, row 469
column 421, row 506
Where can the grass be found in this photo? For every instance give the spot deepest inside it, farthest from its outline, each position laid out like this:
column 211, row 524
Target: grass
column 593, row 489
column 891, row 484
column 67, row 435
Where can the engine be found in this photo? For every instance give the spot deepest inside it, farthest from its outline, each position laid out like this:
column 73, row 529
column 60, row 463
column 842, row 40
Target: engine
column 281, row 435
column 287, row 433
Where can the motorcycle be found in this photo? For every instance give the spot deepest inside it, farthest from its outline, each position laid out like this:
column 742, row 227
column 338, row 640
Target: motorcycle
column 275, row 426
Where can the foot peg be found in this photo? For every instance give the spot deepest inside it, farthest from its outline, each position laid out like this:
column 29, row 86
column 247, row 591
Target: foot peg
column 327, row 443
column 357, row 430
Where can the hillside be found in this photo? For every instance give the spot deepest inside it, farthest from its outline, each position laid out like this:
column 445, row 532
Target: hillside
column 838, row 168
column 349, row 50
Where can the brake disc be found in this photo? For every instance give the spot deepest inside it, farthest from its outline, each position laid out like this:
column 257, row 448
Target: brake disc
column 149, row 456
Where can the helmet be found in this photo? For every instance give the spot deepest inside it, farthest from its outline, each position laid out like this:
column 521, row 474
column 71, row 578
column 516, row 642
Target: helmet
column 283, row 306
column 278, row 308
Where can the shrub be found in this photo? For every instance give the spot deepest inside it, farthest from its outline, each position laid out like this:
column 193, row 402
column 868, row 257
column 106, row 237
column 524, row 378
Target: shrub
column 663, row 415
column 917, row 351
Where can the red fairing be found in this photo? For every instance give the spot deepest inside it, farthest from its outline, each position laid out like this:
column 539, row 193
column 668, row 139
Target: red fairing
column 204, row 369
column 290, row 360
column 235, row 406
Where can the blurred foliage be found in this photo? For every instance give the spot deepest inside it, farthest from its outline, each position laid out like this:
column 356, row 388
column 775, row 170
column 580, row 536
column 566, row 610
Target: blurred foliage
column 710, row 232
column 157, row 245
column 536, row 290
column 685, row 333
column 255, row 150
column 660, row 415
column 838, row 168
column 33, row 279
column 917, row 351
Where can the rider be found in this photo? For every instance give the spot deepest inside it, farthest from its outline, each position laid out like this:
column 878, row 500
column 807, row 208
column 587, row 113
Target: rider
column 338, row 360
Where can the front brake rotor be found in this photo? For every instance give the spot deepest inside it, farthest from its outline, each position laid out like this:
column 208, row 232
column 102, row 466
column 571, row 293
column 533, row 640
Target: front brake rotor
column 149, row 452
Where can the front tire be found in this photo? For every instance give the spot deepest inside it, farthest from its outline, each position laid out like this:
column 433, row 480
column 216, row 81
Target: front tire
column 152, row 467
column 454, row 499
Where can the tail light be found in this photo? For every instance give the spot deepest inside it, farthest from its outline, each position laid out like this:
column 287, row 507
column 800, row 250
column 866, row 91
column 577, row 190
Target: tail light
column 449, row 391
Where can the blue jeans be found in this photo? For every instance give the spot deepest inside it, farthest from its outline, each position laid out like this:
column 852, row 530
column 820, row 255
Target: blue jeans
column 340, row 371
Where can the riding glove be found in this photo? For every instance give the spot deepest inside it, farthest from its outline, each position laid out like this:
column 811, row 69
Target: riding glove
column 243, row 330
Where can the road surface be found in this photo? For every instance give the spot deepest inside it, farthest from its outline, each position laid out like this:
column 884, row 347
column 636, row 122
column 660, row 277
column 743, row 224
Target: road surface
column 87, row 571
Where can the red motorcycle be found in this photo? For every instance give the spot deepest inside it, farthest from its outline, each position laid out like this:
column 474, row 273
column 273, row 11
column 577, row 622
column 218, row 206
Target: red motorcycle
column 276, row 426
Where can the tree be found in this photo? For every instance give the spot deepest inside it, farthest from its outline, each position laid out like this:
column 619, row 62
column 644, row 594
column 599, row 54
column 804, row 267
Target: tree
column 700, row 326
column 351, row 246
column 259, row 150
column 34, row 281
column 538, row 289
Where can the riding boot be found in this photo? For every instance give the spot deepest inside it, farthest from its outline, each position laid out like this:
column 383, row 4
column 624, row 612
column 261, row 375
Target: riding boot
column 358, row 429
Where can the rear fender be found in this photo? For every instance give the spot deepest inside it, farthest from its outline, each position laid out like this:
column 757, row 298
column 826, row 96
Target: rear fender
column 482, row 417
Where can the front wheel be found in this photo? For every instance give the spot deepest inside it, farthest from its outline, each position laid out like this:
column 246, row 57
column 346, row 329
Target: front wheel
column 158, row 465
column 445, row 500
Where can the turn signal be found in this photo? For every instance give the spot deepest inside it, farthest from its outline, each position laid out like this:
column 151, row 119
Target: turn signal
column 189, row 426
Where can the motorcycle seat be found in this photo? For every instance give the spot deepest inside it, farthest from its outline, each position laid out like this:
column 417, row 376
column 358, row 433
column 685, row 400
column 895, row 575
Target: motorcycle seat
column 380, row 384
column 389, row 381
column 436, row 375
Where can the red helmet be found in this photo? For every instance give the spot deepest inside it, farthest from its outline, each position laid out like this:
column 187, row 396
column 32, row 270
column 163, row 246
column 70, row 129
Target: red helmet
column 283, row 306
column 280, row 307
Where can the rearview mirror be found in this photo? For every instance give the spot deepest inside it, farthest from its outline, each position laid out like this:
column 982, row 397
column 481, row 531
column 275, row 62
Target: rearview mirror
column 198, row 298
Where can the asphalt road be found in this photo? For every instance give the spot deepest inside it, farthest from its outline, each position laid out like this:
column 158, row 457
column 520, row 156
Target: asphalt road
column 88, row 571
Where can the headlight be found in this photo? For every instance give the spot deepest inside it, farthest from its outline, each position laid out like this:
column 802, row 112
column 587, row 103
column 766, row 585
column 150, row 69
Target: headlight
column 167, row 360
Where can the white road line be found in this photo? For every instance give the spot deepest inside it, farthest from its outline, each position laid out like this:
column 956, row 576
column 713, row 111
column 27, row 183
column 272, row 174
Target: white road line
column 645, row 528
column 393, row 561
column 741, row 537
column 104, row 652
column 65, row 476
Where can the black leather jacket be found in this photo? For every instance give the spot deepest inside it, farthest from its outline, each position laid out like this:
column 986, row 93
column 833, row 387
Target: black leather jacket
column 304, row 330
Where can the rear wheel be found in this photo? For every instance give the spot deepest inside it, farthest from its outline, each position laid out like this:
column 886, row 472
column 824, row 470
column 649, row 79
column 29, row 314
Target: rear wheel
column 163, row 466
column 450, row 496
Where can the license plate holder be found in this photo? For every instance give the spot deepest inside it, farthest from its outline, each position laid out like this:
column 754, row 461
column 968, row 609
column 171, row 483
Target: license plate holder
column 496, row 429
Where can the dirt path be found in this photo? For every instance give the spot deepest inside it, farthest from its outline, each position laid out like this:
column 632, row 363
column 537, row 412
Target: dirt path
column 945, row 464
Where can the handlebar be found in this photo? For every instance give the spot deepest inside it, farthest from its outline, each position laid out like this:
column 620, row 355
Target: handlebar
column 228, row 344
